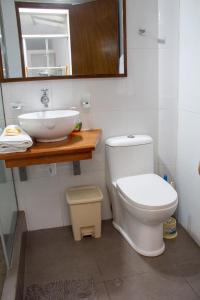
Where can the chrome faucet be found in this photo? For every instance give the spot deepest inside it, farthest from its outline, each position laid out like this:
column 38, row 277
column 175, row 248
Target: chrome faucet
column 45, row 99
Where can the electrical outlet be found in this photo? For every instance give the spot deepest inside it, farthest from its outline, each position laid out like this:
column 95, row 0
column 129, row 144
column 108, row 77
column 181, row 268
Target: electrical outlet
column 86, row 101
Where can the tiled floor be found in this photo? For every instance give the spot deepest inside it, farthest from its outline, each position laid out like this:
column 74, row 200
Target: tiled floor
column 118, row 271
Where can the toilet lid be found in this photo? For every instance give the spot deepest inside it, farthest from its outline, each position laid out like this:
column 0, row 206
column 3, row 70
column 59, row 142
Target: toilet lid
column 148, row 191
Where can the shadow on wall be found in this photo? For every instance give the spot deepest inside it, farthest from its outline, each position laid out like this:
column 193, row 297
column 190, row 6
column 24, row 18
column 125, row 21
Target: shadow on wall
column 163, row 169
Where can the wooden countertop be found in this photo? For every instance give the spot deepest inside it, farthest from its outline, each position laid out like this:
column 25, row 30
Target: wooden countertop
column 78, row 146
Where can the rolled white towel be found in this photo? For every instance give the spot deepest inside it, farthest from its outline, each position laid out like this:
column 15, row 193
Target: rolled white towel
column 11, row 149
column 14, row 139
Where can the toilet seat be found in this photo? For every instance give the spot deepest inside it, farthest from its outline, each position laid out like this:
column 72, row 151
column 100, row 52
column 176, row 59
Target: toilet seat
column 147, row 191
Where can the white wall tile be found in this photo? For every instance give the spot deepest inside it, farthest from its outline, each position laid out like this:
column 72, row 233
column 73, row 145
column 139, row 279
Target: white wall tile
column 168, row 136
column 168, row 72
column 169, row 23
column 40, row 198
column 169, row 103
column 168, row 86
column 8, row 206
column 118, row 106
column 188, row 180
column 189, row 56
column 142, row 14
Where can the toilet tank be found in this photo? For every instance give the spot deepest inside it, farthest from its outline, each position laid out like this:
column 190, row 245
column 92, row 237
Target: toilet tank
column 129, row 155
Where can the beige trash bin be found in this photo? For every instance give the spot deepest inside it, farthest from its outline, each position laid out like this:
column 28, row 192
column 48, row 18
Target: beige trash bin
column 85, row 209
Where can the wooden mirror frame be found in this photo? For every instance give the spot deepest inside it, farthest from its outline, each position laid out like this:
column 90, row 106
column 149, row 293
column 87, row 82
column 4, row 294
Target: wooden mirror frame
column 53, row 5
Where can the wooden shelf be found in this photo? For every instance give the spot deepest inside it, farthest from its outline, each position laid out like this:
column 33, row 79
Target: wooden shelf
column 78, row 146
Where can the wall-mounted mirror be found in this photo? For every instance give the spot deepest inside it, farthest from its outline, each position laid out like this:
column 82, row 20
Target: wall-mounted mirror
column 67, row 38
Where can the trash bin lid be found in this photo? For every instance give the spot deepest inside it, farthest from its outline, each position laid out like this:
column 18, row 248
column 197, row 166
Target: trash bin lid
column 84, row 194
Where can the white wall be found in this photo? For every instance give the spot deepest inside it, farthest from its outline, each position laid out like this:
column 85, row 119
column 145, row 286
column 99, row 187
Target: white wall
column 179, row 105
column 188, row 155
column 119, row 106
column 168, row 86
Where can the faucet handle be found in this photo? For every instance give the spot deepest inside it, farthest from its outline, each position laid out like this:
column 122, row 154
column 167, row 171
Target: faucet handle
column 44, row 98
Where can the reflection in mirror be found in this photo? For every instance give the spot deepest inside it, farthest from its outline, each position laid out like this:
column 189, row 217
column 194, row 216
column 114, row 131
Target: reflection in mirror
column 52, row 38
column 3, row 56
column 45, row 36
column 10, row 41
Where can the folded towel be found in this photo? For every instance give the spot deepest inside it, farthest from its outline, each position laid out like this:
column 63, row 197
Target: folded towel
column 14, row 139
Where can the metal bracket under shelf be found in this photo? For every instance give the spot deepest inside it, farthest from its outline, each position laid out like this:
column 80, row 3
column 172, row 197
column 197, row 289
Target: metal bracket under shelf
column 24, row 176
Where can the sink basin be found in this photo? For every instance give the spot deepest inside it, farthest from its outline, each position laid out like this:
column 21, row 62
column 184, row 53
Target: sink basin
column 49, row 126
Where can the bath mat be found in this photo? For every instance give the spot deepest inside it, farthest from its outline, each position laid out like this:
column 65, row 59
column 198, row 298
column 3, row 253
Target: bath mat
column 62, row 290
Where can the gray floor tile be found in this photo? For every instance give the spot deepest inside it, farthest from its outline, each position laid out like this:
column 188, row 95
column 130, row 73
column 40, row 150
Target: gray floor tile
column 121, row 263
column 191, row 272
column 150, row 286
column 178, row 251
column 53, row 255
column 67, row 269
column 101, row 292
column 40, row 238
column 64, row 289
column 182, row 249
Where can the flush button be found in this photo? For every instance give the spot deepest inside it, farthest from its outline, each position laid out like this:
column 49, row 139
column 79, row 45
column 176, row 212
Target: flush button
column 131, row 136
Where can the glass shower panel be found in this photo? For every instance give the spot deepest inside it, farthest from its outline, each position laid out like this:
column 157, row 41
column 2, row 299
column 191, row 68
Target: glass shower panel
column 2, row 268
column 8, row 203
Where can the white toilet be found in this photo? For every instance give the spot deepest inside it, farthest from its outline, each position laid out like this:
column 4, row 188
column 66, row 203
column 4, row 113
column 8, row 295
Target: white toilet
column 141, row 200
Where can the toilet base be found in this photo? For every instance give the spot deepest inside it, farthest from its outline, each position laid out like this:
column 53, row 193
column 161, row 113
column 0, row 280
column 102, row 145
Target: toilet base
column 156, row 252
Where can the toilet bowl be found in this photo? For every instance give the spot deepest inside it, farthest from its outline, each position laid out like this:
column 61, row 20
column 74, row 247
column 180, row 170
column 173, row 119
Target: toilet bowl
column 148, row 201
column 141, row 200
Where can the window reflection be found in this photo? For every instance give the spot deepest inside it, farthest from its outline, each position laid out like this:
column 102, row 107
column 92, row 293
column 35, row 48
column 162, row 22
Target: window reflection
column 45, row 35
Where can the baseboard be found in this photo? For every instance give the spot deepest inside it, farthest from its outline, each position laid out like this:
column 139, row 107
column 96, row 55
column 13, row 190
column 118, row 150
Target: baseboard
column 14, row 282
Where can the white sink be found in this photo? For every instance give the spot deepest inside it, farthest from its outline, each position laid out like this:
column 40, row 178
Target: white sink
column 49, row 126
